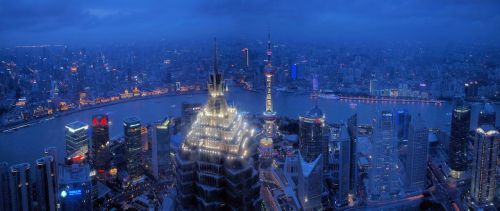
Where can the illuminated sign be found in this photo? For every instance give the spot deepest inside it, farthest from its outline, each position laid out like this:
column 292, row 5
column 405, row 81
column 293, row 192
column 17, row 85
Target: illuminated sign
column 76, row 192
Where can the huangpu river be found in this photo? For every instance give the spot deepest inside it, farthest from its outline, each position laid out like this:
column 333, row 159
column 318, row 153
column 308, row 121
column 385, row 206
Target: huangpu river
column 27, row 144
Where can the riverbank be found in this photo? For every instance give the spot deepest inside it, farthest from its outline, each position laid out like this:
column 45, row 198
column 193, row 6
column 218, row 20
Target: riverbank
column 16, row 126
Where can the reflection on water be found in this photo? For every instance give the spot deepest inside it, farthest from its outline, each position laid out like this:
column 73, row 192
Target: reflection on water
column 27, row 144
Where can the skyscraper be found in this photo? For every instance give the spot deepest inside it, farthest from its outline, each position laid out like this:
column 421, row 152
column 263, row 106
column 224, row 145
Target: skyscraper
column 133, row 141
column 4, row 186
column 340, row 149
column 100, row 155
column 352, row 130
column 311, row 145
column 460, row 124
column 416, row 162
column 487, row 115
column 266, row 142
column 485, row 156
column 20, row 187
column 75, row 187
column 188, row 113
column 311, row 127
column 46, row 183
column 77, row 141
column 403, row 119
column 384, row 182
column 160, row 148
column 215, row 163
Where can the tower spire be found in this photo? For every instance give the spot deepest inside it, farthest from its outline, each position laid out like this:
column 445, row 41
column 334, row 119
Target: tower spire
column 216, row 62
column 269, row 50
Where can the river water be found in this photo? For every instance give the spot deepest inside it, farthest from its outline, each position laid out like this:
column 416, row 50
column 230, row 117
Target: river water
column 27, row 144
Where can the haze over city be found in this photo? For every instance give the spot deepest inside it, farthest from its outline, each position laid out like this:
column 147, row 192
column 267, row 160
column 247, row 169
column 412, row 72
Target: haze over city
column 249, row 105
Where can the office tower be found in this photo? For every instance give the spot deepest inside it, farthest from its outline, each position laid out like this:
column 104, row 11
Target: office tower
column 133, row 141
column 340, row 151
column 46, row 183
column 311, row 141
column 471, row 90
column 160, row 148
column 487, row 115
column 384, row 183
column 188, row 113
column 215, row 163
column 4, row 186
column 403, row 119
column 311, row 127
column 77, row 141
column 352, row 129
column 246, row 59
column 460, row 124
column 20, row 187
column 100, row 155
column 485, row 156
column 75, row 189
column 416, row 162
column 51, row 151
column 269, row 127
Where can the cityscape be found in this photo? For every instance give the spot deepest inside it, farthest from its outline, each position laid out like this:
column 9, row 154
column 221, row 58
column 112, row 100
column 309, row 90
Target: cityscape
column 265, row 105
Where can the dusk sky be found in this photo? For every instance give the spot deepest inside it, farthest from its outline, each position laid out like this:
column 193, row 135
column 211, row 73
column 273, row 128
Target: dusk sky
column 26, row 22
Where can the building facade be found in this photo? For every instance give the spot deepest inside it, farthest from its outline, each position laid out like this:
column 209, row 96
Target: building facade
column 21, row 187
column 77, row 141
column 485, row 156
column 100, row 155
column 133, row 145
column 216, row 163
column 46, row 183
column 460, row 124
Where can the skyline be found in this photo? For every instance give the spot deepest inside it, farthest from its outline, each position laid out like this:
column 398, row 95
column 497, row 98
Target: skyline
column 96, row 23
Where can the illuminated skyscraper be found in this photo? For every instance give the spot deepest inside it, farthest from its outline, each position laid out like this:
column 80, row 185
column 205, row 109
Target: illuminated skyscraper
column 311, row 145
column 4, row 186
column 75, row 188
column 485, row 156
column 460, row 124
column 340, row 151
column 133, row 144
column 384, row 181
column 416, row 162
column 20, row 187
column 77, row 141
column 352, row 129
column 487, row 115
column 215, row 163
column 46, row 183
column 100, row 155
column 188, row 113
column 160, row 148
column 266, row 142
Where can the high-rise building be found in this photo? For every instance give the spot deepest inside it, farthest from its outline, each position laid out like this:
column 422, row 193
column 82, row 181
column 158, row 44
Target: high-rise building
column 20, row 187
column 311, row 146
column 352, row 129
column 484, row 165
column 246, row 58
column 416, row 161
column 384, row 181
column 460, row 124
column 46, row 183
column 100, row 155
column 77, row 141
column 269, row 128
column 403, row 119
column 487, row 115
column 311, row 128
column 188, row 113
column 133, row 144
column 75, row 187
column 160, row 148
column 216, row 168
column 51, row 151
column 340, row 151
column 4, row 186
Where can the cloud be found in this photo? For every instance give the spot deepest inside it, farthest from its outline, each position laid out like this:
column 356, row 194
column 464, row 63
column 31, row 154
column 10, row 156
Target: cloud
column 32, row 21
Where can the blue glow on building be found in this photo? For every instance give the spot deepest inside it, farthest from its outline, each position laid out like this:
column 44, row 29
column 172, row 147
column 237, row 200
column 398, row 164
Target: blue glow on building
column 294, row 72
